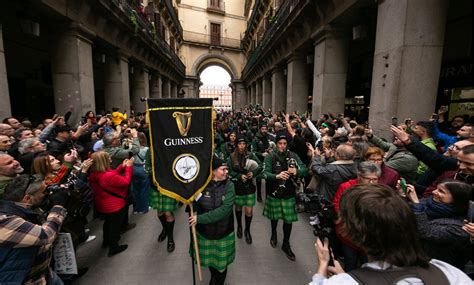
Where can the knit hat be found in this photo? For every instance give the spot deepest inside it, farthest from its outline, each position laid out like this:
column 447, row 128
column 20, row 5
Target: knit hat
column 241, row 138
column 217, row 162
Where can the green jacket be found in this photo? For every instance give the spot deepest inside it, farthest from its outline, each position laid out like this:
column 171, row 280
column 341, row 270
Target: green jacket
column 429, row 142
column 118, row 153
column 237, row 175
column 398, row 158
column 4, row 180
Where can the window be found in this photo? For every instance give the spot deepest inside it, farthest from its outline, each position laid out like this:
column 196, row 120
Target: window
column 215, row 34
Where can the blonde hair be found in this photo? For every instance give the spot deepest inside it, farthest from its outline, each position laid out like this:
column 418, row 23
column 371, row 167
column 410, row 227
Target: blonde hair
column 101, row 161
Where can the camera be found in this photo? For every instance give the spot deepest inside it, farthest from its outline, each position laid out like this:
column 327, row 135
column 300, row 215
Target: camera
column 321, row 211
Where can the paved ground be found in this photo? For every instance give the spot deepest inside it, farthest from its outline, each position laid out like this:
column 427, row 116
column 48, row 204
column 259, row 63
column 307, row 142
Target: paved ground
column 147, row 262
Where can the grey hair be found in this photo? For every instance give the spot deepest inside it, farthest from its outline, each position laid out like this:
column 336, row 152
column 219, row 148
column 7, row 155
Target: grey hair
column 108, row 138
column 21, row 186
column 367, row 167
column 25, row 144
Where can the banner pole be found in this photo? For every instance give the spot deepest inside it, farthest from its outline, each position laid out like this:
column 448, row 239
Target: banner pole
column 192, row 257
column 196, row 248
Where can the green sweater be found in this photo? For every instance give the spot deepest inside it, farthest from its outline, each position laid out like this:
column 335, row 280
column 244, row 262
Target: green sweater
column 429, row 142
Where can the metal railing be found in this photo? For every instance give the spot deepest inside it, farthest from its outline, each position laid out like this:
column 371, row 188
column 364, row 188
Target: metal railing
column 210, row 40
column 140, row 23
column 276, row 22
column 216, row 5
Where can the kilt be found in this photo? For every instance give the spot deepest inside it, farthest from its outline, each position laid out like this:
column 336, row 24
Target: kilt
column 280, row 209
column 162, row 203
column 245, row 200
column 218, row 253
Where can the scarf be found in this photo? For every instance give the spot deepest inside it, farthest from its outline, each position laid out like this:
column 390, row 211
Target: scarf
column 436, row 210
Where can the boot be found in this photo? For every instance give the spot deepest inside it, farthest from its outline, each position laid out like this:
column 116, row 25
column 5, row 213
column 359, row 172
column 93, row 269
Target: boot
column 289, row 253
column 116, row 250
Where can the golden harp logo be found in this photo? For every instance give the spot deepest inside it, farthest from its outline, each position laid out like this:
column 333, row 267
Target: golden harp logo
column 183, row 121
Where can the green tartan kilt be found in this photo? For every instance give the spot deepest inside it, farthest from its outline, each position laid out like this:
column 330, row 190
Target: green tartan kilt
column 161, row 202
column 280, row 209
column 245, row 200
column 218, row 253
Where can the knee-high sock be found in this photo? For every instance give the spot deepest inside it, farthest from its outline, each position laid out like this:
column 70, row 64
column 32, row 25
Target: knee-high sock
column 162, row 219
column 169, row 230
column 274, row 227
column 287, row 233
column 248, row 221
column 217, row 278
column 238, row 216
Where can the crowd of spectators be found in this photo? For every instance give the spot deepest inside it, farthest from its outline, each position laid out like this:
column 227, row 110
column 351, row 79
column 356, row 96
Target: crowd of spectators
column 56, row 175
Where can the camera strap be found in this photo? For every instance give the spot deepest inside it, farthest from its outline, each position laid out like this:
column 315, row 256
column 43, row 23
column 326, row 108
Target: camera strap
column 114, row 194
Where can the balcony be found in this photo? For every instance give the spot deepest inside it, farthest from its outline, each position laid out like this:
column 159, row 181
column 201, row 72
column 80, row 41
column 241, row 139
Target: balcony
column 142, row 26
column 210, row 40
column 216, row 6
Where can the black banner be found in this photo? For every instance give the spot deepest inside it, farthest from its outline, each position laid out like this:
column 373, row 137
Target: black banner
column 181, row 142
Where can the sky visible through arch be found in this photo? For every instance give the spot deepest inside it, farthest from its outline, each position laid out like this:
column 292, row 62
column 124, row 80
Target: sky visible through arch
column 215, row 75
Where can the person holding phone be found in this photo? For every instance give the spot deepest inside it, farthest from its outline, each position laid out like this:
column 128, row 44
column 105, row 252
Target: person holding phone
column 440, row 219
column 394, row 255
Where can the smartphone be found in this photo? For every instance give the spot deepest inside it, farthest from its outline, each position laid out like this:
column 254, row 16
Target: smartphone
column 394, row 121
column 403, row 184
column 130, row 155
column 89, row 154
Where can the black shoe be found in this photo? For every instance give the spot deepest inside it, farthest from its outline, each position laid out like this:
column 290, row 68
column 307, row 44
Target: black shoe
column 162, row 236
column 128, row 227
column 248, row 237
column 171, row 246
column 116, row 250
column 273, row 241
column 289, row 253
column 239, row 232
column 259, row 199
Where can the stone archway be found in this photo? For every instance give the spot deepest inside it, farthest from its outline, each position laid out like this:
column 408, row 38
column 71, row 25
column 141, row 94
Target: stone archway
column 207, row 60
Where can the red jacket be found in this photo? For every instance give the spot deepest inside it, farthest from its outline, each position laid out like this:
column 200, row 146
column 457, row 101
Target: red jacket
column 343, row 187
column 114, row 182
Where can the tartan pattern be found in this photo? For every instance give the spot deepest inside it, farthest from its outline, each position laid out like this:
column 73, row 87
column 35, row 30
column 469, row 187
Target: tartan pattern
column 280, row 209
column 245, row 200
column 161, row 202
column 218, row 253
column 17, row 232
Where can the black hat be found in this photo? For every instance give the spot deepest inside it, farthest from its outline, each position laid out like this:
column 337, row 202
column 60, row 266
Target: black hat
column 241, row 138
column 217, row 162
column 281, row 135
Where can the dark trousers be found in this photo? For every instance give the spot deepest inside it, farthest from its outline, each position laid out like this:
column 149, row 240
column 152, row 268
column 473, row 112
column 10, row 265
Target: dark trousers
column 112, row 225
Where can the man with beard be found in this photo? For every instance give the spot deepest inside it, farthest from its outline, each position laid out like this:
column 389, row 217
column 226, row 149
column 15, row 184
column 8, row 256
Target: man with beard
column 9, row 169
column 261, row 147
column 243, row 166
column 281, row 168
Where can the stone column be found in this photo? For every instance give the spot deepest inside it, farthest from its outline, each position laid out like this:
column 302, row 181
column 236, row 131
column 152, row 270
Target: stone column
column 330, row 72
column 5, row 107
column 166, row 88
column 174, row 90
column 73, row 76
column 189, row 87
column 297, row 85
column 249, row 95
column 267, row 92
column 254, row 93
column 116, row 83
column 155, row 87
column 259, row 92
column 239, row 92
column 407, row 61
column 278, row 90
column 140, row 88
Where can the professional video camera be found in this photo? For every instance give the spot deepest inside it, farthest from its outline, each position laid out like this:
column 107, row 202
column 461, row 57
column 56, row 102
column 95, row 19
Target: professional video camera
column 321, row 211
